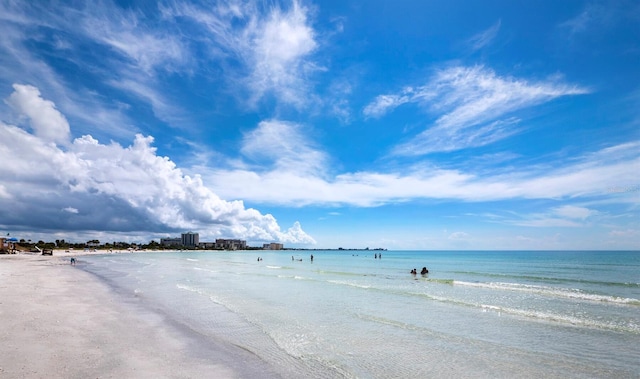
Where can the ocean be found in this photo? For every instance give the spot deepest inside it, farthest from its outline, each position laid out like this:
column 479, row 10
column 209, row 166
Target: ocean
column 347, row 314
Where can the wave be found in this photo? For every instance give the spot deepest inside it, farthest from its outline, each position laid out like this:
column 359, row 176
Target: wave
column 565, row 319
column 204, row 269
column 550, row 279
column 623, row 326
column 295, row 277
column 566, row 293
column 274, row 267
column 439, row 281
column 343, row 273
column 350, row 284
column 193, row 260
column 200, row 291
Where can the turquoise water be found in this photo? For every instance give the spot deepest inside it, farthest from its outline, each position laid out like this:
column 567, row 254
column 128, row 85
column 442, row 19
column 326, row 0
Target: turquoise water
column 349, row 315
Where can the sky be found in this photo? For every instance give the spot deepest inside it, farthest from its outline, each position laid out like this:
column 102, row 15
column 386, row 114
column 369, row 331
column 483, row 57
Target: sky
column 352, row 123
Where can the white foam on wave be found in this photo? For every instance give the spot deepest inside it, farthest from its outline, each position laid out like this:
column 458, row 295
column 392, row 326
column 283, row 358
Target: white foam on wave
column 542, row 315
column 193, row 260
column 552, row 291
column 564, row 319
column 274, row 267
column 295, row 277
column 188, row 288
column 199, row 292
column 341, row 282
column 203, row 269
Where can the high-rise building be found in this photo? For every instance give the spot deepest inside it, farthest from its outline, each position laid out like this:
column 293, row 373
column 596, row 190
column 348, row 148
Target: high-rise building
column 190, row 239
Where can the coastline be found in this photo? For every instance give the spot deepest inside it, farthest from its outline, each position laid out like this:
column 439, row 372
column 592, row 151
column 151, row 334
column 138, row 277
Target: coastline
column 57, row 321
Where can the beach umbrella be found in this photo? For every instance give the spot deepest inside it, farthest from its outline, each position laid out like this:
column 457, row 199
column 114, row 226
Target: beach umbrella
column 12, row 239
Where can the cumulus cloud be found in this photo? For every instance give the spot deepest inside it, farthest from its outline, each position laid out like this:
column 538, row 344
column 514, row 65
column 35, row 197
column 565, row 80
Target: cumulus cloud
column 474, row 107
column 47, row 123
column 115, row 188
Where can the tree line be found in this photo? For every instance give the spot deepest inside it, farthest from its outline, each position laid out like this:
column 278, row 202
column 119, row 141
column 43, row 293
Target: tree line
column 92, row 244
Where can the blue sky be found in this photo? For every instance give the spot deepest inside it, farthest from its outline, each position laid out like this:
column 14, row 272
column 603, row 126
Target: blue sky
column 403, row 125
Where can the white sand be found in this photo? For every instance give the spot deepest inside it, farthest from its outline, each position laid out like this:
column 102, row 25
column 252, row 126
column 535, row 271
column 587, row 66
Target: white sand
column 57, row 321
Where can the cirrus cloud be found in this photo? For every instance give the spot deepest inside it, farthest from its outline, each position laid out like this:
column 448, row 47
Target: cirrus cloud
column 474, row 107
column 268, row 50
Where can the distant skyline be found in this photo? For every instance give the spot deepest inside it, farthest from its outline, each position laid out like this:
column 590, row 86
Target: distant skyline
column 353, row 124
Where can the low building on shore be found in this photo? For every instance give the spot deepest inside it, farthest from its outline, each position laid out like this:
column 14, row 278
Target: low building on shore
column 168, row 242
column 273, row 246
column 230, row 244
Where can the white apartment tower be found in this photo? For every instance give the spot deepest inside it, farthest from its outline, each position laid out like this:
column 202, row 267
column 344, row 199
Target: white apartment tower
column 190, row 239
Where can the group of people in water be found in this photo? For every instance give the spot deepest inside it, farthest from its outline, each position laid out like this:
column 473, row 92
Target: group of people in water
column 424, row 271
column 300, row 259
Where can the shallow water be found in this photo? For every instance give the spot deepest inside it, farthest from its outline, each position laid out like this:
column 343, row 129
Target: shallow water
column 346, row 314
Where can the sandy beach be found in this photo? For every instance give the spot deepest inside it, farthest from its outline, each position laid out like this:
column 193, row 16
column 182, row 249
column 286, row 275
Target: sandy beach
column 58, row 321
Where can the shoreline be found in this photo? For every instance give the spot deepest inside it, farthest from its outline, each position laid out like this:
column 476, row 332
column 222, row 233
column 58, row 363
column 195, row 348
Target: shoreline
column 59, row 321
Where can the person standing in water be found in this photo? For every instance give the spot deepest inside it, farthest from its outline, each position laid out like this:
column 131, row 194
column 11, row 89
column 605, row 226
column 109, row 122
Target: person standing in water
column 311, row 257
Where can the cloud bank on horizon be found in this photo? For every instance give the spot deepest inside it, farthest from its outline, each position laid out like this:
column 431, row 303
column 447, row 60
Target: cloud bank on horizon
column 140, row 122
column 85, row 185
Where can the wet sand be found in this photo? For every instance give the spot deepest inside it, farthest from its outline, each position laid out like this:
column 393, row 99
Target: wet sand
column 58, row 321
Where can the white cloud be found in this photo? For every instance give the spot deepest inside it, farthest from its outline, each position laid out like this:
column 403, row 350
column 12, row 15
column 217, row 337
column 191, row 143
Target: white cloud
column 116, row 188
column 287, row 157
column 45, row 120
column 624, row 233
column 485, row 37
column 279, row 44
column 459, row 236
column 597, row 16
column 473, row 105
column 125, row 50
column 284, row 146
column 273, row 46
column 383, row 104
column 574, row 212
column 18, row 59
column 141, row 43
column 142, row 54
column 147, row 51
column 548, row 222
column 147, row 91
column 443, row 139
column 569, row 216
